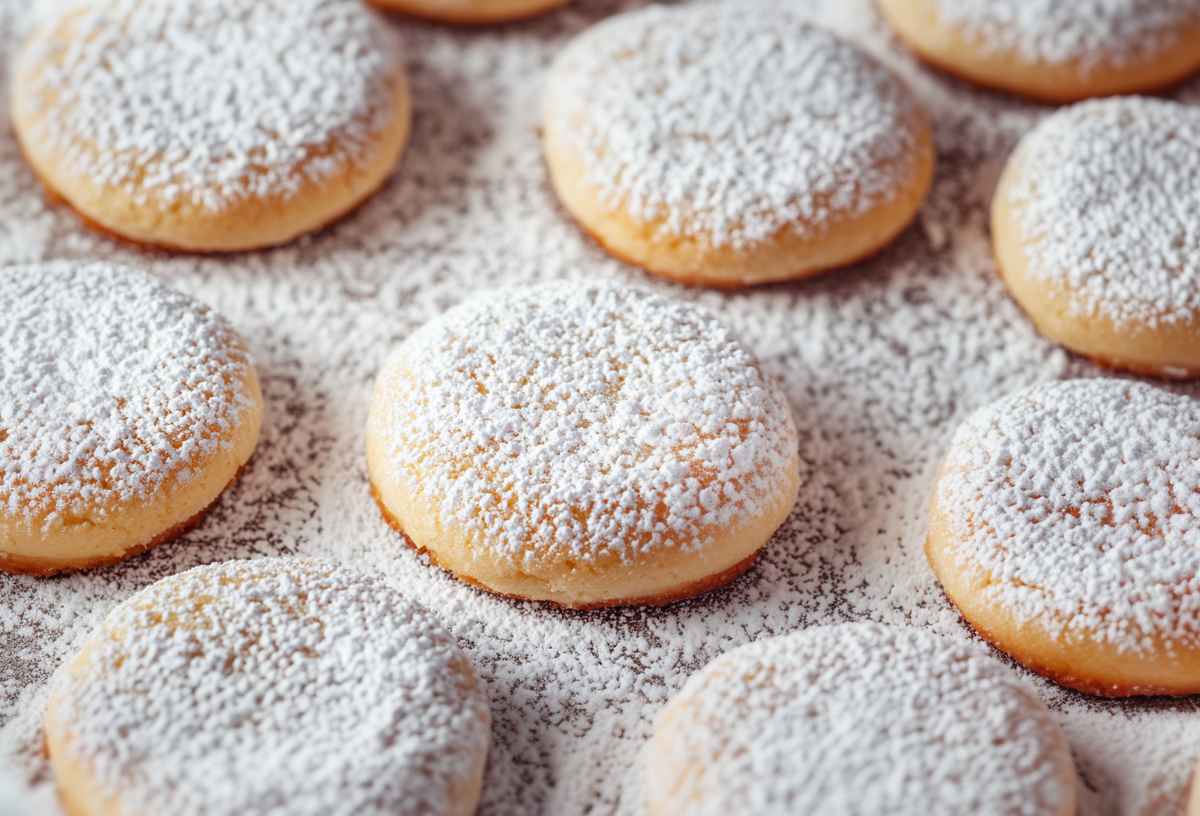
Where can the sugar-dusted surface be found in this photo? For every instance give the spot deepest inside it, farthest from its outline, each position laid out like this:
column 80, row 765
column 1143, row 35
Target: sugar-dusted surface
column 274, row 686
column 1091, row 33
column 880, row 363
column 205, row 102
column 730, row 126
column 1108, row 206
column 805, row 723
column 111, row 383
column 573, row 421
column 1083, row 500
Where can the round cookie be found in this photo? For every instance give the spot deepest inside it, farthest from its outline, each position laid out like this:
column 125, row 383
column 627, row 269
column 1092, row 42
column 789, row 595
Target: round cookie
column 469, row 12
column 273, row 686
column 1094, row 224
column 1054, row 50
column 211, row 125
column 719, row 147
column 126, row 408
column 858, row 718
column 1066, row 528
column 582, row 443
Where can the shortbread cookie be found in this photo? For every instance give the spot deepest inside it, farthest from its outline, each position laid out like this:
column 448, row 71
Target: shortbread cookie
column 1054, row 50
column 582, row 443
column 275, row 686
column 211, row 125
column 126, row 408
column 722, row 147
column 1095, row 232
column 470, row 12
column 858, row 718
column 1066, row 528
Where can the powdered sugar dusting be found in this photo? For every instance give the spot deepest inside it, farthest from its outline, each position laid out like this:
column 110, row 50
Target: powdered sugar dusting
column 859, row 718
column 275, row 686
column 1090, row 33
column 880, row 363
column 590, row 420
column 1109, row 209
column 207, row 103
column 110, row 383
column 729, row 126
column 1083, row 500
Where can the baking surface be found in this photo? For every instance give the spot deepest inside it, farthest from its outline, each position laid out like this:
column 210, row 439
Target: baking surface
column 880, row 363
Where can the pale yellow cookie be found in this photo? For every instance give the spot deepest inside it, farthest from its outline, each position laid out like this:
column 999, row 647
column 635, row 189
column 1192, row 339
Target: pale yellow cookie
column 211, row 125
column 126, row 409
column 858, row 719
column 1094, row 224
column 582, row 443
column 273, row 686
column 726, row 148
column 1066, row 528
column 1054, row 50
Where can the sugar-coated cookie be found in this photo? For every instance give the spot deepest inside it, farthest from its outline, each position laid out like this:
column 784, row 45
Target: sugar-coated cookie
column 211, row 125
column 469, row 12
column 858, row 719
column 582, row 443
column 273, row 686
column 1094, row 224
column 721, row 147
column 1054, row 50
column 1066, row 528
column 126, row 408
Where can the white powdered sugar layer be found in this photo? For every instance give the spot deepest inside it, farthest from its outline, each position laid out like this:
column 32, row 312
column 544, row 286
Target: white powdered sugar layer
column 729, row 126
column 274, row 686
column 1088, row 33
column 1108, row 209
column 584, row 419
column 208, row 102
column 859, row 718
column 881, row 364
column 1082, row 500
column 111, row 383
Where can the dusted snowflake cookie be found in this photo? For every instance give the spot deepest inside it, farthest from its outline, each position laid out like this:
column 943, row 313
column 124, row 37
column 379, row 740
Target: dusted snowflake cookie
column 1095, row 232
column 211, row 125
column 858, row 718
column 585, row 444
column 126, row 408
column 721, row 147
column 275, row 686
column 1066, row 528
column 470, row 12
column 1054, row 50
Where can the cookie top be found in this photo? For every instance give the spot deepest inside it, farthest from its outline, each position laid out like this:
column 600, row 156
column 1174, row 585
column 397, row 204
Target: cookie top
column 111, row 384
column 731, row 126
column 1106, row 202
column 858, row 718
column 574, row 421
column 1087, row 33
column 207, row 102
column 1082, row 499
column 273, row 686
